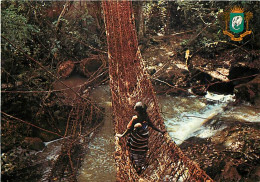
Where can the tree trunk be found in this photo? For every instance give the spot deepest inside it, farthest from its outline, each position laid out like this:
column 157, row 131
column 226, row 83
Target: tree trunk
column 140, row 20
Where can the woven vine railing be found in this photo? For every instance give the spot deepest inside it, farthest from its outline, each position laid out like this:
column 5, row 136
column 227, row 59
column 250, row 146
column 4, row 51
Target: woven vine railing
column 130, row 83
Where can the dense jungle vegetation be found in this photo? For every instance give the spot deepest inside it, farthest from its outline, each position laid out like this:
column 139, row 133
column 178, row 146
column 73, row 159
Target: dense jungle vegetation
column 46, row 41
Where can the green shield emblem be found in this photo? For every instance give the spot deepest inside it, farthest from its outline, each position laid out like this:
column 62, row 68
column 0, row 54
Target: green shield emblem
column 236, row 22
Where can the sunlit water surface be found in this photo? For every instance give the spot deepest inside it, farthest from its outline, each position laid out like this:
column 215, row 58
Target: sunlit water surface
column 184, row 117
column 192, row 116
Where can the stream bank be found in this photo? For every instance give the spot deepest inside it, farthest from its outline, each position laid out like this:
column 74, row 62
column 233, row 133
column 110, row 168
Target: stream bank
column 210, row 130
column 222, row 138
column 52, row 33
column 176, row 70
column 57, row 154
column 229, row 120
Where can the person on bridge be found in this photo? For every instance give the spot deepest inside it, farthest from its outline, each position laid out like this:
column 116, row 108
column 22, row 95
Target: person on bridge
column 138, row 139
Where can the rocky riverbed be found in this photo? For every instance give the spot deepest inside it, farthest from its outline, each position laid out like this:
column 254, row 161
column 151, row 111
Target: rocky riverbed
column 226, row 71
column 230, row 154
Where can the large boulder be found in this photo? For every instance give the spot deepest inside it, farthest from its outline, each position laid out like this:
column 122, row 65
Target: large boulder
column 33, row 143
column 248, row 91
column 229, row 173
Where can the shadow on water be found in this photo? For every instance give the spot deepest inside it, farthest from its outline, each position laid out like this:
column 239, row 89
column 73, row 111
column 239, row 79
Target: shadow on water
column 99, row 163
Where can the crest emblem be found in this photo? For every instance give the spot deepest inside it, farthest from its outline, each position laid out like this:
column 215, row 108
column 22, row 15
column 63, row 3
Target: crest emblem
column 237, row 21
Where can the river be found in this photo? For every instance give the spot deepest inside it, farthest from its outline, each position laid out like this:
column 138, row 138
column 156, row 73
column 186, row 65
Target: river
column 184, row 117
column 99, row 164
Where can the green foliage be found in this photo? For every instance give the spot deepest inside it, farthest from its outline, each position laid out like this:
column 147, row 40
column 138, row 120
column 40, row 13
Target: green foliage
column 16, row 28
column 66, row 44
column 155, row 15
column 207, row 21
column 32, row 26
column 203, row 18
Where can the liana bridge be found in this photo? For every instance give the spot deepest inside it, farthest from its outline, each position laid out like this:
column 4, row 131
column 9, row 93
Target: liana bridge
column 130, row 83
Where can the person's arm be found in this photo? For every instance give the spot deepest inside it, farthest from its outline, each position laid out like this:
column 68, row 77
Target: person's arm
column 122, row 135
column 155, row 128
column 128, row 129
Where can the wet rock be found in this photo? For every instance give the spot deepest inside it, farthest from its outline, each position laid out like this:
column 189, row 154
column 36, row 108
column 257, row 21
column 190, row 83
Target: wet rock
column 201, row 91
column 198, row 75
column 151, row 70
column 248, row 91
column 33, row 143
column 241, row 74
column 222, row 88
column 160, row 64
column 168, row 74
column 65, row 68
column 178, row 75
column 229, row 173
column 46, row 137
column 175, row 76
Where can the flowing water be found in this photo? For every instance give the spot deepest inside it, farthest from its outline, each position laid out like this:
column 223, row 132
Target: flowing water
column 99, row 164
column 192, row 116
column 184, row 117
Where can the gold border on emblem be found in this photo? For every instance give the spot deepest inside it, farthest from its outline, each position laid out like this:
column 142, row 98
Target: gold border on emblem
column 248, row 16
